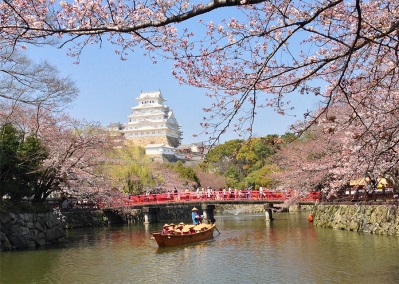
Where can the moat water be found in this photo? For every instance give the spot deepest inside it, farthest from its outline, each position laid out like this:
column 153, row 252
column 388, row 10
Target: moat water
column 247, row 250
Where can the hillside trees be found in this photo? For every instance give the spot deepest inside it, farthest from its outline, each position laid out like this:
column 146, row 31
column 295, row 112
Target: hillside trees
column 185, row 172
column 246, row 163
column 223, row 156
column 130, row 170
column 210, row 179
column 169, row 177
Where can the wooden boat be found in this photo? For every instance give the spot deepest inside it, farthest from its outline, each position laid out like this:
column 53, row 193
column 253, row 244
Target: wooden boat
column 175, row 240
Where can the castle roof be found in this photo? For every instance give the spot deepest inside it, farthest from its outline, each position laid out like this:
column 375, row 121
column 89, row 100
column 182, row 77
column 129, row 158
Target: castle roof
column 148, row 95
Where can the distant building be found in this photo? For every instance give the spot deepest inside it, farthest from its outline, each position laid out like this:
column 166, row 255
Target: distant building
column 193, row 151
column 161, row 153
column 151, row 122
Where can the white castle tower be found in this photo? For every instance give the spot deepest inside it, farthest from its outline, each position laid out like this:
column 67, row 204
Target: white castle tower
column 152, row 122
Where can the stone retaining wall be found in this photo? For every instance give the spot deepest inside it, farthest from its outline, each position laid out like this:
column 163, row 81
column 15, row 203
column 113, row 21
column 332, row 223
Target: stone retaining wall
column 375, row 219
column 84, row 219
column 29, row 230
column 235, row 209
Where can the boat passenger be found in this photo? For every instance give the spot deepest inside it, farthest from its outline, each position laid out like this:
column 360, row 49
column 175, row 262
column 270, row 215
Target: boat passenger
column 191, row 229
column 204, row 227
column 185, row 231
column 171, row 231
column 165, row 229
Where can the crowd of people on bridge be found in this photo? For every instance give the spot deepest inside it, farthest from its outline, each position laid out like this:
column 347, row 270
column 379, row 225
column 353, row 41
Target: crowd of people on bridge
column 226, row 193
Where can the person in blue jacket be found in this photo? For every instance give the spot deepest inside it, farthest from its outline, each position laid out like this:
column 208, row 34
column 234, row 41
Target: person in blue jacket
column 195, row 216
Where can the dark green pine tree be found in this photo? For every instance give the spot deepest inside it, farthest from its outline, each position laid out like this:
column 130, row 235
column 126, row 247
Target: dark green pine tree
column 21, row 159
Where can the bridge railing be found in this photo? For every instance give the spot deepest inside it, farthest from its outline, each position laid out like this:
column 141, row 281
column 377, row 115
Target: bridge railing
column 197, row 197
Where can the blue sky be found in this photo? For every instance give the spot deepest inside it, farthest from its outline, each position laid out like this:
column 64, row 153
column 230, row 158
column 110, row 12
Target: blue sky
column 108, row 88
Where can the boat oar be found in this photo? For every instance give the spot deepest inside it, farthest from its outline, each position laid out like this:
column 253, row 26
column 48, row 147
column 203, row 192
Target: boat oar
column 211, row 223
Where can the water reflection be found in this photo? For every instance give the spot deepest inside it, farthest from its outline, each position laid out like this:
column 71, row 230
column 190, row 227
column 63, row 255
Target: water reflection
column 248, row 250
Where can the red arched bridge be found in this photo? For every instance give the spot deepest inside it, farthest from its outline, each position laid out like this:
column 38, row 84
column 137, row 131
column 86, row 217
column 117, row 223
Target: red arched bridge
column 247, row 196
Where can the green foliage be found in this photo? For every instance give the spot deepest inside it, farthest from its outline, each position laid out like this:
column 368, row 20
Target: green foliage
column 262, row 177
column 131, row 169
column 247, row 163
column 288, row 137
column 232, row 177
column 259, row 150
column 21, row 161
column 184, row 172
column 227, row 150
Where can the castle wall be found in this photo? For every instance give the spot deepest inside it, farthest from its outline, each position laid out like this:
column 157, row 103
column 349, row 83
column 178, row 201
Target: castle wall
column 144, row 141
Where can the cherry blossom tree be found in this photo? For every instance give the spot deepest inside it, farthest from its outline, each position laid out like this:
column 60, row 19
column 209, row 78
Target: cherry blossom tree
column 344, row 52
column 332, row 152
column 213, row 180
column 167, row 179
column 74, row 151
column 77, row 149
column 307, row 163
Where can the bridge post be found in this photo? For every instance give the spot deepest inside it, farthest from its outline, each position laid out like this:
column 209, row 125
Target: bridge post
column 151, row 215
column 207, row 211
column 268, row 211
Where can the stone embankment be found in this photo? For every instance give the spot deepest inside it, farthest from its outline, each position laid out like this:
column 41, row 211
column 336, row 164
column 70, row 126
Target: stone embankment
column 235, row 209
column 29, row 230
column 84, row 219
column 375, row 219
